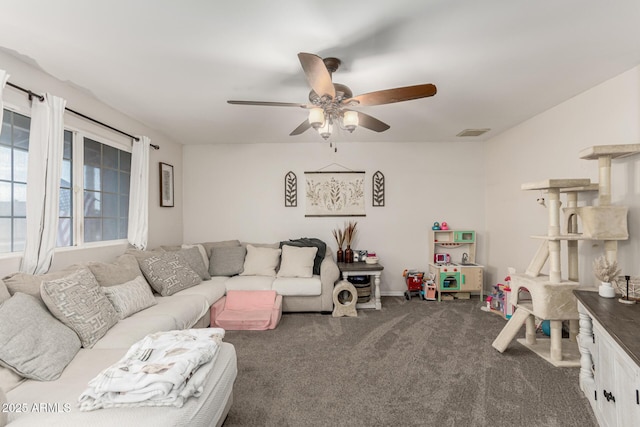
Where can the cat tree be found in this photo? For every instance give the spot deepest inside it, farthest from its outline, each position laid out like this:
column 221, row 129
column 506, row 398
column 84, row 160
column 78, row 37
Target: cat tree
column 551, row 297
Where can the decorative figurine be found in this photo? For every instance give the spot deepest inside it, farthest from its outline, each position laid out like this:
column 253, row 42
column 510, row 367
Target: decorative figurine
column 625, row 299
column 436, row 226
column 444, row 226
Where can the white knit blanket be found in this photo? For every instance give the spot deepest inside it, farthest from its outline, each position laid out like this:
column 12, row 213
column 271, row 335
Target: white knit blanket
column 162, row 369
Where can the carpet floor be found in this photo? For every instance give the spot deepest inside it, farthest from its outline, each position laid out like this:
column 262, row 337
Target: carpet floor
column 413, row 363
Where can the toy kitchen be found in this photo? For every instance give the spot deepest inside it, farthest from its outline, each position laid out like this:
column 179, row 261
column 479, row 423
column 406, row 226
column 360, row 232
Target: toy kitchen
column 453, row 264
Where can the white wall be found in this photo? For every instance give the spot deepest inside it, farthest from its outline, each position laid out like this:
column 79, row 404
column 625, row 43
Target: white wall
column 165, row 225
column 236, row 191
column 547, row 146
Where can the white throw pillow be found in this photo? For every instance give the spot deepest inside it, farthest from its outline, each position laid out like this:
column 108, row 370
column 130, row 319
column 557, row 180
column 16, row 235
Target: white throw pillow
column 261, row 261
column 297, row 261
column 130, row 297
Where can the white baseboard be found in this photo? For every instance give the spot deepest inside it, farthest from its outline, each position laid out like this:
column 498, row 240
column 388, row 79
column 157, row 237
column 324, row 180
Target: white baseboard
column 392, row 293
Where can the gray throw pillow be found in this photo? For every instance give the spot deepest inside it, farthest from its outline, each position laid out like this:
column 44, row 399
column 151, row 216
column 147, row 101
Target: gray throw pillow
column 32, row 342
column 227, row 260
column 130, row 297
column 124, row 269
column 30, row 283
column 208, row 246
column 168, row 273
column 79, row 302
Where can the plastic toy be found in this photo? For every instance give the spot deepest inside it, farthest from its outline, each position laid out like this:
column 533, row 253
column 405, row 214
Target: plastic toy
column 497, row 298
column 414, row 283
column 444, row 226
column 429, row 288
column 436, row 226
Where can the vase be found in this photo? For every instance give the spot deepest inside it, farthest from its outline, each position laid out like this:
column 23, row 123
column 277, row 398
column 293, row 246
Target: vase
column 606, row 290
column 340, row 255
column 348, row 255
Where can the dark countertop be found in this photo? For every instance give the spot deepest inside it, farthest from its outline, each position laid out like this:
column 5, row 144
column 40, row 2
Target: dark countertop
column 621, row 321
column 359, row 266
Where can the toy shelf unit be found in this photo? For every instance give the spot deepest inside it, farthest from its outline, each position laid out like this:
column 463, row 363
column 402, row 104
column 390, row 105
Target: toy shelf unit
column 453, row 265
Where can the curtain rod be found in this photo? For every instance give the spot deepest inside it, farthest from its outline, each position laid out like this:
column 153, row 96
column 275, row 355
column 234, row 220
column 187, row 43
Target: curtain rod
column 41, row 98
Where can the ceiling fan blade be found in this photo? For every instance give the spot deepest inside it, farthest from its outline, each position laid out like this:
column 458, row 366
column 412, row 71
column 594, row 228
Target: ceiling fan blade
column 301, row 129
column 390, row 96
column 317, row 74
column 366, row 121
column 270, row 104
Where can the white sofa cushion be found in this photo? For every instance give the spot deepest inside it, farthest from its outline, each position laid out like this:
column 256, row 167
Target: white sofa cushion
column 261, row 261
column 186, row 310
column 297, row 261
column 249, row 283
column 212, row 289
column 298, row 286
column 206, row 410
column 132, row 329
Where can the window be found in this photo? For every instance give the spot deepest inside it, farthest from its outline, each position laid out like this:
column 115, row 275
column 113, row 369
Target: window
column 65, row 221
column 107, row 173
column 14, row 151
column 101, row 210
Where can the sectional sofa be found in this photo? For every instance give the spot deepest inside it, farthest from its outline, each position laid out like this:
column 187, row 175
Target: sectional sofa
column 60, row 330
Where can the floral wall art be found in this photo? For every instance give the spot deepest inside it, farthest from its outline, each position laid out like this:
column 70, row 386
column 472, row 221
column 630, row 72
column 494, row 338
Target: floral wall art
column 335, row 194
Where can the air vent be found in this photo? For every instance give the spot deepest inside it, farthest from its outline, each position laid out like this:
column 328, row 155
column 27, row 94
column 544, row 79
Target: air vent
column 473, row 132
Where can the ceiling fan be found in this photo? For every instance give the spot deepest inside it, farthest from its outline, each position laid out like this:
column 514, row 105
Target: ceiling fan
column 330, row 103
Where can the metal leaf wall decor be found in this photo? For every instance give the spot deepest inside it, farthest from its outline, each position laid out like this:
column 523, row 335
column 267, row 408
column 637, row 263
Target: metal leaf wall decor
column 377, row 188
column 290, row 190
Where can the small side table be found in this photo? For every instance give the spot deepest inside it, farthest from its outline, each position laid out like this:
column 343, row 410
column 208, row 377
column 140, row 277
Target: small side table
column 364, row 269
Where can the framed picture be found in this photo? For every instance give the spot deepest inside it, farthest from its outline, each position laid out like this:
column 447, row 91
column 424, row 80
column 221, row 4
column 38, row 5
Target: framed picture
column 166, row 185
column 334, row 194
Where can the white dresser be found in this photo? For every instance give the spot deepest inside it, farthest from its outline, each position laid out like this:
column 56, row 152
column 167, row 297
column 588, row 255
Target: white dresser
column 609, row 342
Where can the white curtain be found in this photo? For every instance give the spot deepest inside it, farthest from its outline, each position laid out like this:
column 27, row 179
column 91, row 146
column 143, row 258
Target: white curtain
column 4, row 76
column 46, row 145
column 139, row 193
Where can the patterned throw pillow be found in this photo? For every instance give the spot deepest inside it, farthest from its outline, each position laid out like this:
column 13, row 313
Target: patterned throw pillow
column 168, row 273
column 130, row 297
column 194, row 259
column 79, row 302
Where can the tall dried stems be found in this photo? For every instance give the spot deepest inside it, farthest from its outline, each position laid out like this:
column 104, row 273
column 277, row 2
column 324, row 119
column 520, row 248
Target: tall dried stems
column 350, row 232
column 339, row 236
column 604, row 270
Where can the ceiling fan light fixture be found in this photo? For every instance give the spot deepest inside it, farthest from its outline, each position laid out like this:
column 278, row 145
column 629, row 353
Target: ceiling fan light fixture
column 316, row 117
column 350, row 120
column 326, row 129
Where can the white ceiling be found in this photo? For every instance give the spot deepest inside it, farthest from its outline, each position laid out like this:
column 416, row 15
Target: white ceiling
column 173, row 64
